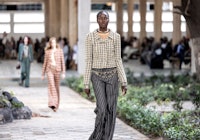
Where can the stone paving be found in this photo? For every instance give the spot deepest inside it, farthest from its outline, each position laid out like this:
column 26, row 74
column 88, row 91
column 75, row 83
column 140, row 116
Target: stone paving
column 73, row 121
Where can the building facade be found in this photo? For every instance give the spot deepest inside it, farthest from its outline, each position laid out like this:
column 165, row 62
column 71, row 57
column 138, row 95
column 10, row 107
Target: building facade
column 75, row 18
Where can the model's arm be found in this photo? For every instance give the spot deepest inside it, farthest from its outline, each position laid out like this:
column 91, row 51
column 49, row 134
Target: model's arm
column 88, row 61
column 44, row 65
column 120, row 68
column 19, row 58
column 62, row 63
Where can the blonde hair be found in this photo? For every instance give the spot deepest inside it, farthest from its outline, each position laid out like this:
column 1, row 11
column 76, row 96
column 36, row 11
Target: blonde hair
column 49, row 46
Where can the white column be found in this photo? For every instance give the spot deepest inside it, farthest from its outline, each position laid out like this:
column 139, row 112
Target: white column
column 84, row 9
column 158, row 19
column 119, row 12
column 143, row 10
column 73, row 19
column 130, row 17
column 12, row 24
column 176, row 35
column 47, row 17
column 54, row 18
column 64, row 18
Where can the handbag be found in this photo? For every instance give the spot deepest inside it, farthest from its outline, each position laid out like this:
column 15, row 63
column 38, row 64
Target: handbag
column 18, row 66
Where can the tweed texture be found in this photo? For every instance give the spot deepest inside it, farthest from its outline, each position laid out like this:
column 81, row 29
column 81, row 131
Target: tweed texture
column 103, row 53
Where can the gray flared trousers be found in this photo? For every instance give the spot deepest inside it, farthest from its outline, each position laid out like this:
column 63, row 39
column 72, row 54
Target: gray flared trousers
column 25, row 71
column 106, row 88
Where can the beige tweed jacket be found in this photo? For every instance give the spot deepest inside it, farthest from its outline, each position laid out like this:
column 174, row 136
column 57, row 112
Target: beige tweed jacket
column 103, row 53
column 59, row 59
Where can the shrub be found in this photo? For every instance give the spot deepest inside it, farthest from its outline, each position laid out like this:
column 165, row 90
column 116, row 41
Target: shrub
column 178, row 126
column 139, row 117
column 131, row 108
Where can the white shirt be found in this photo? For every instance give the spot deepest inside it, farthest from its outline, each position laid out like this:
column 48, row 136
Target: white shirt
column 53, row 62
column 25, row 51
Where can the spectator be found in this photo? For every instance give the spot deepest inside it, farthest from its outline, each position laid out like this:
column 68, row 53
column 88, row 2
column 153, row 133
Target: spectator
column 75, row 55
column 5, row 38
column 187, row 51
column 124, row 43
column 66, row 50
column 7, row 46
column 40, row 57
column 25, row 56
column 131, row 49
column 14, row 48
column 60, row 42
column 146, row 50
column 156, row 60
column 36, row 47
column 19, row 41
column 166, row 48
column 180, row 52
column 2, row 48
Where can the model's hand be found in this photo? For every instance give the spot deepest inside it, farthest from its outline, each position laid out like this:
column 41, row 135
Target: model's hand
column 124, row 90
column 87, row 91
column 63, row 76
column 42, row 77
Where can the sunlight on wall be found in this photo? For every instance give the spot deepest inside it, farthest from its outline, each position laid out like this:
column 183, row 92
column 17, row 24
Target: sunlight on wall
column 5, row 28
column 4, row 22
column 29, row 28
column 29, row 23
column 22, row 22
column 30, row 17
column 5, row 17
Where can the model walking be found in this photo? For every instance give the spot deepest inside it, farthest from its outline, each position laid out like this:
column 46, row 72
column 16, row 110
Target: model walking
column 104, row 68
column 25, row 56
column 53, row 66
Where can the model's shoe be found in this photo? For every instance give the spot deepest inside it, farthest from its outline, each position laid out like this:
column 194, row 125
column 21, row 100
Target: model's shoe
column 23, row 76
column 21, row 83
column 53, row 108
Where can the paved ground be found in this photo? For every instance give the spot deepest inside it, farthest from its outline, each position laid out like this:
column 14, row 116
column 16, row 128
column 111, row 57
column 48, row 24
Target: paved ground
column 73, row 121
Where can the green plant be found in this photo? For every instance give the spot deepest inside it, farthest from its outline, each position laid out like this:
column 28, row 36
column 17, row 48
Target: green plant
column 195, row 95
column 4, row 102
column 182, row 132
column 140, row 95
column 139, row 117
column 179, row 126
column 178, row 104
column 131, row 108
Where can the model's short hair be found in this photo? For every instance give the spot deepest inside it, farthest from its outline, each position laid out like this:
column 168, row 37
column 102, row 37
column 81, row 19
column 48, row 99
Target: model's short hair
column 102, row 12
